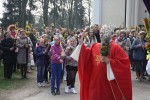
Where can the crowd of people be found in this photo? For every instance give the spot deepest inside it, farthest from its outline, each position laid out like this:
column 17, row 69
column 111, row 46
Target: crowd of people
column 50, row 53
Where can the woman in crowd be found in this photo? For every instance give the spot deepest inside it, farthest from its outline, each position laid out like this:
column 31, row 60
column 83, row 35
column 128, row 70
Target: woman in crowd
column 124, row 41
column 92, row 37
column 132, row 38
column 24, row 44
column 8, row 47
column 139, row 55
column 71, row 66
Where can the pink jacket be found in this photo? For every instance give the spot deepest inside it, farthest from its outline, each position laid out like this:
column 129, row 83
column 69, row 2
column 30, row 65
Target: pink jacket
column 55, row 52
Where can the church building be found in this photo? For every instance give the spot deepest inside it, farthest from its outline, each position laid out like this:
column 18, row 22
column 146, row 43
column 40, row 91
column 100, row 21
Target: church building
column 120, row 13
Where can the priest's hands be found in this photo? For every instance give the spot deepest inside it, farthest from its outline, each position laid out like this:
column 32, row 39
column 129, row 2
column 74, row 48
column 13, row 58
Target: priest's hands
column 105, row 59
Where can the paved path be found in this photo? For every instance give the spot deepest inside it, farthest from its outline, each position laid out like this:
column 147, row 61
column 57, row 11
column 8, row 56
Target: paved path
column 141, row 91
column 45, row 94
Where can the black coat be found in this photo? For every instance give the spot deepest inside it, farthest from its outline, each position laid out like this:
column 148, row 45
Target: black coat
column 98, row 36
column 34, row 40
column 9, row 57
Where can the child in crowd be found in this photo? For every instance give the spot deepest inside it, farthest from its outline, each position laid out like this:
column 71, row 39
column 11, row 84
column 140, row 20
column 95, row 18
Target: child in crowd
column 40, row 52
column 56, row 65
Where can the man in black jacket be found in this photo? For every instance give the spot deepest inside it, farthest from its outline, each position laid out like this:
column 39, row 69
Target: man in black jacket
column 96, row 32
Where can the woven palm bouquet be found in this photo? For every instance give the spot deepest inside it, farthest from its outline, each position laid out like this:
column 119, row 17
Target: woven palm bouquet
column 105, row 48
column 106, row 30
column 147, row 27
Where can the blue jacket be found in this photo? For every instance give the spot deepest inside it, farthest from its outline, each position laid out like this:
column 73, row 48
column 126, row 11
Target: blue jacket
column 40, row 53
column 139, row 53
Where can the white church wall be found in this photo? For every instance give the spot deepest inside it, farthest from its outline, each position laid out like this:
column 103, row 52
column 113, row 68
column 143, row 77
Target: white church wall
column 113, row 11
column 142, row 14
column 95, row 12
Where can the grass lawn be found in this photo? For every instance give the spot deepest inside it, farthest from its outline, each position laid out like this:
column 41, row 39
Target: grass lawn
column 14, row 83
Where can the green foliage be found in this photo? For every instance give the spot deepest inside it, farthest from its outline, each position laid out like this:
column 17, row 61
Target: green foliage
column 13, row 83
column 13, row 12
column 67, row 13
column 30, row 17
column 64, row 13
column 79, row 13
column 11, row 15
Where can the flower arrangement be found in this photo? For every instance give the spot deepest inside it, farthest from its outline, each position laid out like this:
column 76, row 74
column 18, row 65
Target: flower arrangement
column 147, row 27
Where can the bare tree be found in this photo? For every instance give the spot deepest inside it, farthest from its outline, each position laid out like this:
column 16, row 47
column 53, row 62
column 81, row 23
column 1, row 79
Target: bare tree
column 45, row 12
column 70, row 11
column 45, row 6
column 88, row 7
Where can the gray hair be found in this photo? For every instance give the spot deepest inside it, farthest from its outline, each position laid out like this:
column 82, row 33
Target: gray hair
column 107, row 32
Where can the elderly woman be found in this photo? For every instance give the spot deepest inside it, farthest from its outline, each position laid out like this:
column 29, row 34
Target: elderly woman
column 139, row 55
column 71, row 66
column 124, row 41
column 24, row 44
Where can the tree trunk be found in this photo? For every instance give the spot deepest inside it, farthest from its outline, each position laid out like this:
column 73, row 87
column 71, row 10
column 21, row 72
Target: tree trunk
column 54, row 3
column 23, row 13
column 45, row 12
column 20, row 9
column 70, row 15
column 61, row 18
column 89, row 11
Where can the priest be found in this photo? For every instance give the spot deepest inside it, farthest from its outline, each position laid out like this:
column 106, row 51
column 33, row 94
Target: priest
column 104, row 69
